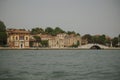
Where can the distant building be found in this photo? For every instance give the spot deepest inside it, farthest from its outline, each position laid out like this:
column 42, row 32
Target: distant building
column 64, row 40
column 57, row 41
column 44, row 36
column 18, row 38
column 72, row 39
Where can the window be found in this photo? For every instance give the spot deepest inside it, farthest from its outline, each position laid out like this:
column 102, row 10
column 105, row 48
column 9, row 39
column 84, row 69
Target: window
column 26, row 38
column 21, row 37
column 13, row 37
column 16, row 38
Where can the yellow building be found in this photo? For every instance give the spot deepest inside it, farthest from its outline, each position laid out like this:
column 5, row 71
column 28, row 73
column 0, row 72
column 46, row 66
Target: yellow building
column 57, row 41
column 18, row 38
column 71, row 40
column 63, row 40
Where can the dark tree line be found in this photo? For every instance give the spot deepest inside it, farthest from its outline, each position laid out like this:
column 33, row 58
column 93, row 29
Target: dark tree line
column 44, row 43
column 3, row 35
column 116, row 41
column 51, row 31
column 102, row 39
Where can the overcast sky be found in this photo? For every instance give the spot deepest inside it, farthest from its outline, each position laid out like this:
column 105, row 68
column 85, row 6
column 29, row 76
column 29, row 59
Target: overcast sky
column 82, row 16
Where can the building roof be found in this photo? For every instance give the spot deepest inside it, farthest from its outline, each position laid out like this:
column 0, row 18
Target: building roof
column 17, row 31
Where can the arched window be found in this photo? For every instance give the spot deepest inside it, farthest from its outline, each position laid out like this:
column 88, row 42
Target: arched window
column 21, row 38
column 13, row 37
column 26, row 38
column 16, row 38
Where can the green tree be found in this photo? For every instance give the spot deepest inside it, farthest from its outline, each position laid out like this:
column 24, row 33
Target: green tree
column 108, row 42
column 44, row 43
column 115, row 41
column 119, row 40
column 3, row 35
column 88, row 37
column 71, row 32
column 37, row 30
column 58, row 30
column 101, row 39
column 78, row 34
column 37, row 38
column 50, row 30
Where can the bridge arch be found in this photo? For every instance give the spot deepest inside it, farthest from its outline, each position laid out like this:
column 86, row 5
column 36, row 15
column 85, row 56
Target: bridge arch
column 95, row 47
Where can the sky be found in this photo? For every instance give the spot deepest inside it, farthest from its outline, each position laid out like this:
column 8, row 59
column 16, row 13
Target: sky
column 82, row 16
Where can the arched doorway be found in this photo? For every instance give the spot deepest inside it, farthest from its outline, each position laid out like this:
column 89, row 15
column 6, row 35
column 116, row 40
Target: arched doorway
column 95, row 47
column 21, row 45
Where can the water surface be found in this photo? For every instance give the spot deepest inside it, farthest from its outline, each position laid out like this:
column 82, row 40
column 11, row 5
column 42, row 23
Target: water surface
column 59, row 64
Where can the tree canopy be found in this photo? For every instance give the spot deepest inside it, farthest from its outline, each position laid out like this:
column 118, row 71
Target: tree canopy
column 37, row 30
column 3, row 35
column 100, row 39
column 44, row 43
column 37, row 38
column 115, row 42
column 51, row 31
column 2, row 27
column 88, row 37
column 58, row 30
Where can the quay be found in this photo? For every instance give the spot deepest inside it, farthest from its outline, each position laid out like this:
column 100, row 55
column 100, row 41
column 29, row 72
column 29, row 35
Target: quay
column 8, row 48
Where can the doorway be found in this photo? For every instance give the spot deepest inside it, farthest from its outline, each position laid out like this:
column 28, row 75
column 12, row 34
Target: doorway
column 21, row 45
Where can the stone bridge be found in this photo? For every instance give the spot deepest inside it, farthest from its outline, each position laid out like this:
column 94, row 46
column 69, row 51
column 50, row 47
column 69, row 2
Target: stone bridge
column 93, row 46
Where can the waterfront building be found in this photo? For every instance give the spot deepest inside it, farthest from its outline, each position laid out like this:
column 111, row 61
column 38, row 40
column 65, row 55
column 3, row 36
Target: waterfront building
column 71, row 40
column 64, row 40
column 44, row 36
column 18, row 38
column 57, row 41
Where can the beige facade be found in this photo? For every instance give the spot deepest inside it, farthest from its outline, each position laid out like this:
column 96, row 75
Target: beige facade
column 64, row 40
column 53, row 41
column 72, row 40
column 18, row 38
column 57, row 41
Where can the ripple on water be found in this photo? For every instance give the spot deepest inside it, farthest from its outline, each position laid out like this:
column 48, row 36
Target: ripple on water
column 59, row 65
column 12, row 78
column 57, row 74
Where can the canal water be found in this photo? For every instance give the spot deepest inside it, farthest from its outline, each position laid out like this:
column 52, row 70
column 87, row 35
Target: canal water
column 59, row 64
